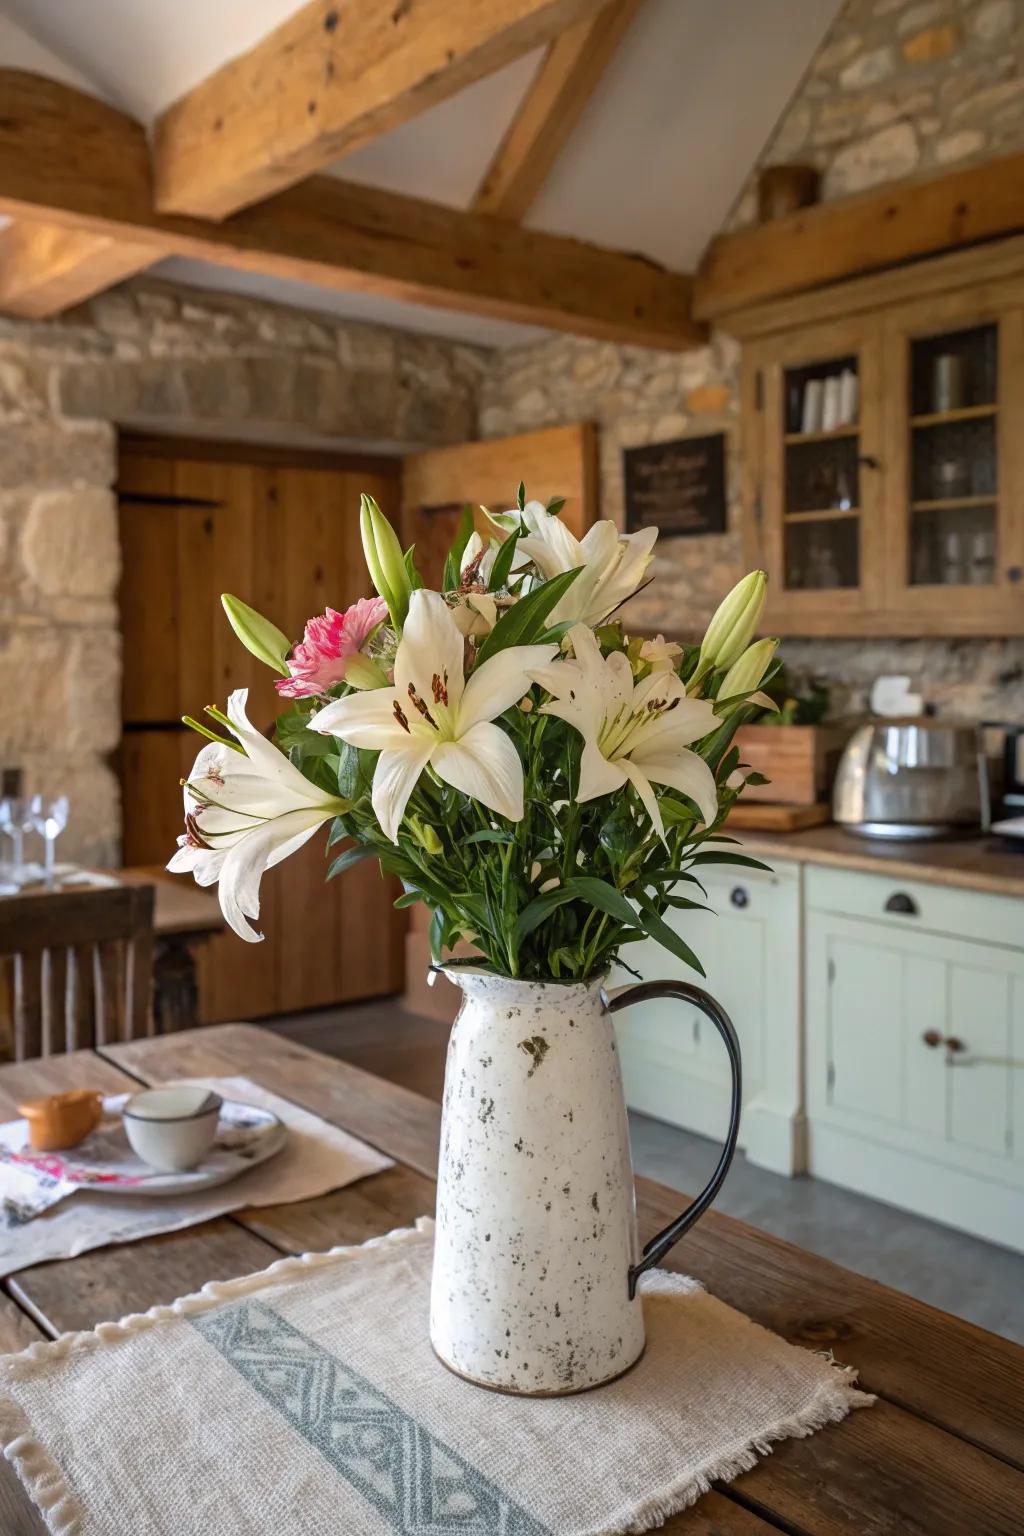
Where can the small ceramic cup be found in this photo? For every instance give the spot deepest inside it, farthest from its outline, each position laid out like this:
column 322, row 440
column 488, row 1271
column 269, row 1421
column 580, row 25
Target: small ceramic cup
column 172, row 1128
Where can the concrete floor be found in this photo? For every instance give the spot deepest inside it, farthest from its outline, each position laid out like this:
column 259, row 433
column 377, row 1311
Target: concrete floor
column 960, row 1274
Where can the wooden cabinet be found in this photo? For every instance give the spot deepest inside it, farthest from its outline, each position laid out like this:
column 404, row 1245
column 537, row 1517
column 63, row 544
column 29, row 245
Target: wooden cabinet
column 915, row 1049
column 281, row 531
column 884, row 467
column 673, row 1062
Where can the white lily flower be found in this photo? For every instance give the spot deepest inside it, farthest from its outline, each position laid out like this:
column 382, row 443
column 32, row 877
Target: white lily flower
column 245, row 812
column 435, row 715
column 635, row 733
column 476, row 549
column 475, row 614
column 662, row 655
column 613, row 563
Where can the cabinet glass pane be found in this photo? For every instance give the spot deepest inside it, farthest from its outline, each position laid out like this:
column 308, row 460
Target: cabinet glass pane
column 822, row 553
column 821, row 475
column 954, row 458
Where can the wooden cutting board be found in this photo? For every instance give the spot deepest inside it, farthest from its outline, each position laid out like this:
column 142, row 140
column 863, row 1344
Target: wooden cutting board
column 761, row 816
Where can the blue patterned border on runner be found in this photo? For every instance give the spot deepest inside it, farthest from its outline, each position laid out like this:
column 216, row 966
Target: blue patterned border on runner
column 421, row 1487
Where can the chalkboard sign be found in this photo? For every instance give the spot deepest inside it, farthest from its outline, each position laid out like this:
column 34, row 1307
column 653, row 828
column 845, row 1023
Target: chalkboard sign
column 677, row 487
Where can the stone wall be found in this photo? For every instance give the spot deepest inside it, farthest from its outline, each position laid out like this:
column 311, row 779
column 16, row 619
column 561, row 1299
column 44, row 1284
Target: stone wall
column 897, row 86
column 902, row 86
column 178, row 360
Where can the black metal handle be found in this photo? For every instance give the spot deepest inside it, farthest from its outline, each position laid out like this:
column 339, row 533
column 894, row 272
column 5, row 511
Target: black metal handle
column 899, row 901
column 739, row 896
column 649, row 991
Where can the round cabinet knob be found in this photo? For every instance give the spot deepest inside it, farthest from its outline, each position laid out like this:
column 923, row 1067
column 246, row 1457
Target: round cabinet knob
column 900, row 902
column 932, row 1038
column 953, row 1044
column 739, row 896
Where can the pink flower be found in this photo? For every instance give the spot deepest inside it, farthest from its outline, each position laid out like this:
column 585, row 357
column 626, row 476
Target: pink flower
column 330, row 640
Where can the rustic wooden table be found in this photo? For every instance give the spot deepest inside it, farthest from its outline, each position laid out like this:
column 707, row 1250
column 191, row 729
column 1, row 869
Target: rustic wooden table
column 940, row 1454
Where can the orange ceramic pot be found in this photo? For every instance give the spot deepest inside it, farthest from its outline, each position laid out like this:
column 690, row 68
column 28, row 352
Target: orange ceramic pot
column 62, row 1119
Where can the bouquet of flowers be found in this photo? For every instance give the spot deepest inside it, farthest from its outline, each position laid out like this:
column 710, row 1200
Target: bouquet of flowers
column 547, row 784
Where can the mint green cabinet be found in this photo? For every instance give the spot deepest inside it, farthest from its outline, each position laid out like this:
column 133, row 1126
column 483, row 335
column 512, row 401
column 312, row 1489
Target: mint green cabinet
column 915, row 1049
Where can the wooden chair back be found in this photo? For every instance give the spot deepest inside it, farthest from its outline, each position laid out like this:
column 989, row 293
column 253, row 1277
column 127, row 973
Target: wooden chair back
column 80, row 968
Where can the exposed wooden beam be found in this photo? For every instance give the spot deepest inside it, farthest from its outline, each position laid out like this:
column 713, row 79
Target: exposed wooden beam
column 45, row 268
column 550, row 110
column 833, row 241
column 68, row 159
column 333, row 76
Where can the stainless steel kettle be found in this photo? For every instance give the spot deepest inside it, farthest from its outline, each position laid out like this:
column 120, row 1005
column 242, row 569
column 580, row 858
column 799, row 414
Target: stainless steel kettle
column 912, row 779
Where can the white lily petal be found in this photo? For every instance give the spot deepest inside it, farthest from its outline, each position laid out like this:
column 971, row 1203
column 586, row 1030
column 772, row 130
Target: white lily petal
column 265, row 758
column 642, row 784
column 430, row 647
column 499, row 683
column 266, row 845
column 599, row 776
column 685, row 772
column 484, row 764
column 364, row 720
column 690, row 720
column 203, row 864
column 394, row 780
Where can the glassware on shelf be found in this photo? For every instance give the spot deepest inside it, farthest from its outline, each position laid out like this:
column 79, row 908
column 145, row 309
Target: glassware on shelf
column 953, row 566
column 982, row 567
column 49, row 817
column 952, row 478
column 948, row 383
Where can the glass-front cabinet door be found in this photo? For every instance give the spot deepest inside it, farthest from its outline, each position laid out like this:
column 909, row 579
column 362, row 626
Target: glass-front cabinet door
column 817, row 498
column 953, row 455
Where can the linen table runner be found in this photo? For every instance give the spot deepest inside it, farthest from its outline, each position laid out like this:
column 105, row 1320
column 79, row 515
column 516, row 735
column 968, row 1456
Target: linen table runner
column 306, row 1399
column 317, row 1157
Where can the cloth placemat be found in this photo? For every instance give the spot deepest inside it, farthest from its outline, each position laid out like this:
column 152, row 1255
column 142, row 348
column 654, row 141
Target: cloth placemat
column 316, row 1157
column 306, row 1399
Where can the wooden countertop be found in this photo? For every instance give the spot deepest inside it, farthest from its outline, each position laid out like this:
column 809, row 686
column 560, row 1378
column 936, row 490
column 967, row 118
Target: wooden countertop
column 974, row 863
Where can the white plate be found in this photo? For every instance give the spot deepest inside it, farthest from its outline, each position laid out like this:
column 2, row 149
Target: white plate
column 105, row 1164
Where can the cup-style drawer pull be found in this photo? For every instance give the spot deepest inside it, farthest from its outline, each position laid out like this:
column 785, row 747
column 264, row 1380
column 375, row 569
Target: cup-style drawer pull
column 739, row 896
column 900, row 902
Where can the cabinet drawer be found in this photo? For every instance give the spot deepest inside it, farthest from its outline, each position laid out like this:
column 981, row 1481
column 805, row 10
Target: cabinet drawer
column 917, row 905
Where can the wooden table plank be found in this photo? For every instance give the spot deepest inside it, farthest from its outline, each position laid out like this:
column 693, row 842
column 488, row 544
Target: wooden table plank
column 56, row 1074
column 107, row 1284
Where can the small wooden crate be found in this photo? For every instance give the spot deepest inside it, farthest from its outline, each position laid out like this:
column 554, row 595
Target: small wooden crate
column 800, row 760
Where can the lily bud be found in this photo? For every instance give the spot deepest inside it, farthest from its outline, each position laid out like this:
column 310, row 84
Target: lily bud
column 385, row 560
column 733, row 625
column 745, row 675
column 257, row 634
column 363, row 672
column 425, row 836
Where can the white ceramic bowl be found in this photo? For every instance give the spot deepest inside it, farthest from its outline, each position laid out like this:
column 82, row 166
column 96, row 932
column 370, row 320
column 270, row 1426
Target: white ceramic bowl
column 172, row 1128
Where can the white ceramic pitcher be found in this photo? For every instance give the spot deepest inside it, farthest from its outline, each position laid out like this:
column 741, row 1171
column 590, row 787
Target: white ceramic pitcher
column 536, row 1257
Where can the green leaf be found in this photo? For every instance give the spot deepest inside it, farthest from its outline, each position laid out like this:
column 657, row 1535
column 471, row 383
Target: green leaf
column 408, row 899
column 599, row 894
column 730, row 858
column 656, row 928
column 415, row 579
column 521, row 624
column 487, row 835
column 503, row 563
column 436, row 935
column 339, row 831
column 348, row 858
column 555, row 505
column 540, row 907
column 521, row 496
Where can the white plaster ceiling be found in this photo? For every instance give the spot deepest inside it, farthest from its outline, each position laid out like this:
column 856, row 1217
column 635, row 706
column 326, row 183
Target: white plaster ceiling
column 654, row 165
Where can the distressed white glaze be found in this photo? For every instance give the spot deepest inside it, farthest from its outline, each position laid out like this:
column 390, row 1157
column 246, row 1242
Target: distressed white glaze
column 536, row 1214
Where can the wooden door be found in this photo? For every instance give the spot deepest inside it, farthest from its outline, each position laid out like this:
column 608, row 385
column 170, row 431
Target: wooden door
column 438, row 483
column 283, row 534
column 814, row 498
column 954, row 460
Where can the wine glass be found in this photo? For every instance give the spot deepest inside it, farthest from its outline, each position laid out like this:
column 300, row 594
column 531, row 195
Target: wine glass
column 49, row 817
column 12, row 824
